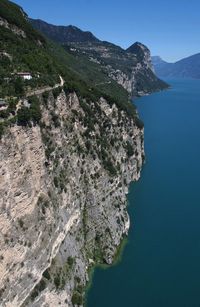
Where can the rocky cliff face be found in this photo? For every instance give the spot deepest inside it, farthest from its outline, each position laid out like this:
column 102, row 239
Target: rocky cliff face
column 63, row 189
column 143, row 54
column 4, row 23
column 131, row 68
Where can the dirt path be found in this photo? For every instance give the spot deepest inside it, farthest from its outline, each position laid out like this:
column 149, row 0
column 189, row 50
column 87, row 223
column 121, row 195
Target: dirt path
column 45, row 89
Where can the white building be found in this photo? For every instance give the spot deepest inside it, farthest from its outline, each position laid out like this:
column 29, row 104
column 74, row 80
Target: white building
column 25, row 75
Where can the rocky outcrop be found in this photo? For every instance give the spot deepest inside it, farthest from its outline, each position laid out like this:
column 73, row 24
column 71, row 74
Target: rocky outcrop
column 131, row 68
column 16, row 30
column 63, row 189
column 140, row 78
column 143, row 54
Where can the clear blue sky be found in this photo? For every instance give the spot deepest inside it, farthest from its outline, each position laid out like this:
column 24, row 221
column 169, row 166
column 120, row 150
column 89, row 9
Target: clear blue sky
column 170, row 28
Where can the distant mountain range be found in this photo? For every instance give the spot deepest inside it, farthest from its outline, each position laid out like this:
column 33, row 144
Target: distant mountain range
column 186, row 68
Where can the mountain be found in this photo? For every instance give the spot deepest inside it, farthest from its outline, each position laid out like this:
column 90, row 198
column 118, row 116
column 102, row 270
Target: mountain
column 142, row 52
column 24, row 49
column 185, row 68
column 63, row 34
column 130, row 68
column 71, row 142
column 157, row 60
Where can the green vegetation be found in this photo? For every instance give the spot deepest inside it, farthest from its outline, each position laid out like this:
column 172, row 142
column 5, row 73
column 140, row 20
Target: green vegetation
column 46, row 60
column 49, row 62
column 70, row 261
column 46, row 274
column 21, row 223
column 38, row 289
column 23, row 116
column 129, row 149
column 57, row 281
column 58, row 273
column 26, row 115
column 77, row 298
column 11, row 109
column 118, row 58
column 90, row 80
column 2, row 129
column 139, row 123
column 24, row 55
column 11, row 12
column 56, row 92
column 109, row 166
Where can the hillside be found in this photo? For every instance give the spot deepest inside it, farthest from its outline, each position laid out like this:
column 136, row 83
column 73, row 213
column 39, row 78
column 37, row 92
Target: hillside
column 130, row 68
column 71, row 142
column 185, row 68
column 24, row 49
column 62, row 34
column 68, row 151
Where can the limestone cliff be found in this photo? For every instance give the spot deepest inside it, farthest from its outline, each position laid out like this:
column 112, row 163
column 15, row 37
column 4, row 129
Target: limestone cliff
column 63, row 189
column 131, row 68
column 136, row 74
column 67, row 157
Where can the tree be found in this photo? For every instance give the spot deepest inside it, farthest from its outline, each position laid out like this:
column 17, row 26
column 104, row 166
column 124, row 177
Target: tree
column 19, row 87
column 23, row 116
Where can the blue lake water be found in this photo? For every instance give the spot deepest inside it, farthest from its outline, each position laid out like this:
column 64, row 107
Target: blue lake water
column 160, row 266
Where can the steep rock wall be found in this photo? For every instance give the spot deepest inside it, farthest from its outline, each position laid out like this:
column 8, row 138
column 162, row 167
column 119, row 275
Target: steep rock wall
column 63, row 193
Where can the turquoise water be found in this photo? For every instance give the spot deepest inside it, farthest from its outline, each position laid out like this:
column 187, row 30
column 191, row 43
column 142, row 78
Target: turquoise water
column 160, row 266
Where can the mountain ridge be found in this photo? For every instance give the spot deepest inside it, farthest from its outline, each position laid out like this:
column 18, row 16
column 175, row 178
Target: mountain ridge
column 131, row 67
column 62, row 34
column 188, row 67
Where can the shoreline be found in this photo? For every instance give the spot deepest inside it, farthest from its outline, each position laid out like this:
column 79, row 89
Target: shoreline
column 117, row 259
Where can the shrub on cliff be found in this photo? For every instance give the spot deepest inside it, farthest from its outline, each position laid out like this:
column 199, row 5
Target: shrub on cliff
column 77, row 299
column 129, row 149
column 26, row 115
column 35, row 109
column 1, row 129
column 23, row 116
column 139, row 123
